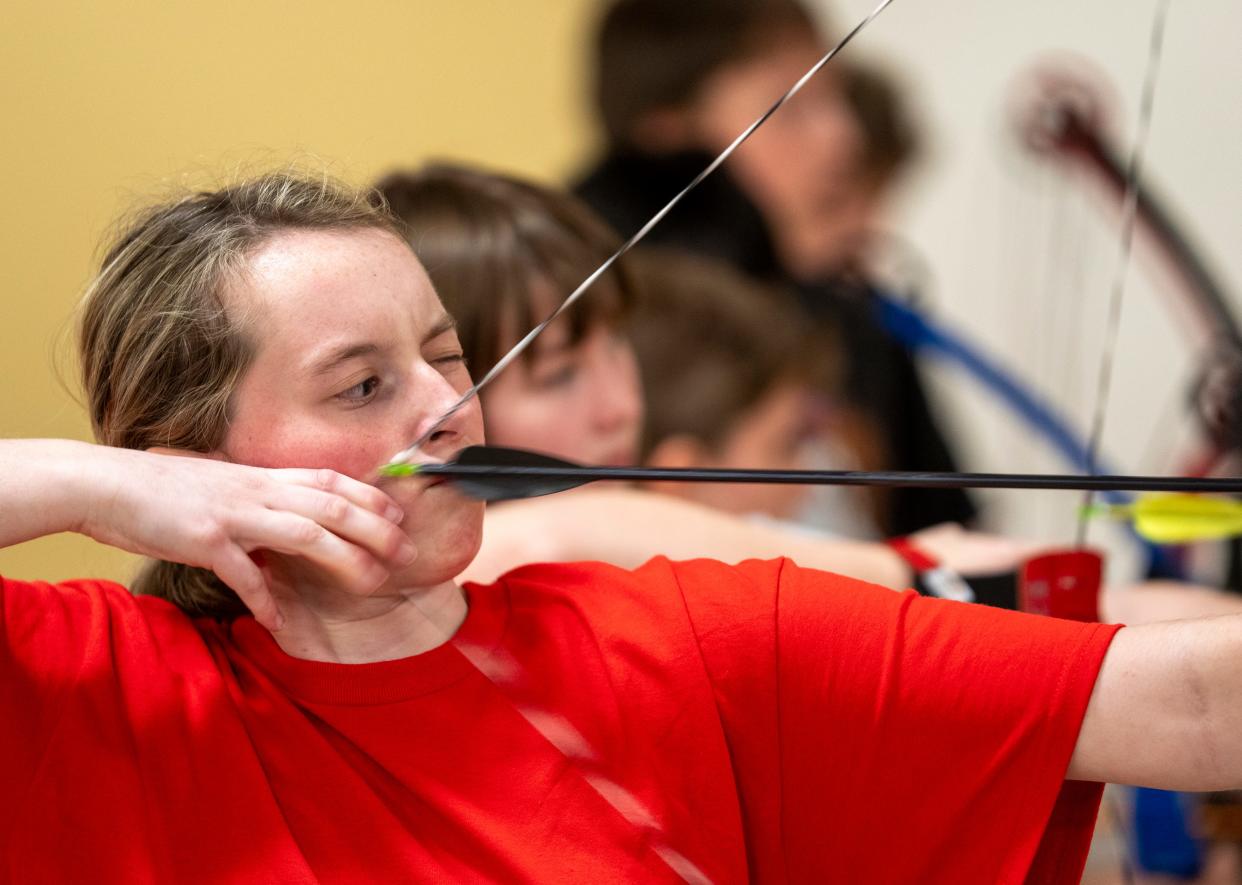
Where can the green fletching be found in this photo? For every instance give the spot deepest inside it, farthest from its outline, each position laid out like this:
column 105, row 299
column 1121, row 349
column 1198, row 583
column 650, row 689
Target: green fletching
column 399, row 469
column 1114, row 511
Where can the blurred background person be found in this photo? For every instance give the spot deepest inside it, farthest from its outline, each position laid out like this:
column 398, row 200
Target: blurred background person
column 501, row 252
column 720, row 376
column 674, row 84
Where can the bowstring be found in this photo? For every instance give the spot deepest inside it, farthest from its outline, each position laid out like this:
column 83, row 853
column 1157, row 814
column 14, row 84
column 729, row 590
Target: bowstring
column 558, row 731
column 407, row 455
column 1103, row 387
column 1129, row 219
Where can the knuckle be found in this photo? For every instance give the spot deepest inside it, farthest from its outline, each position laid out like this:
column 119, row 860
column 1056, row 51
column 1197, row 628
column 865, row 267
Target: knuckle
column 358, row 561
column 211, row 536
column 325, row 479
column 334, row 509
column 306, row 532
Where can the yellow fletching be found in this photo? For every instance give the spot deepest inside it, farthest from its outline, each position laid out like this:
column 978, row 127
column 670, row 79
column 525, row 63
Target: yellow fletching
column 1181, row 519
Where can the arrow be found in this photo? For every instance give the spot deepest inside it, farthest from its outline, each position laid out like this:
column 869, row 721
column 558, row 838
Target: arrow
column 493, row 473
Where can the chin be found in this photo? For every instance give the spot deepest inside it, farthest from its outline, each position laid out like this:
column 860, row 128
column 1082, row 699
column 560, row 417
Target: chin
column 445, row 546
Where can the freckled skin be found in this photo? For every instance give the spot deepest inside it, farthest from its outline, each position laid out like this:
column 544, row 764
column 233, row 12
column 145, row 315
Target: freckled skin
column 309, row 293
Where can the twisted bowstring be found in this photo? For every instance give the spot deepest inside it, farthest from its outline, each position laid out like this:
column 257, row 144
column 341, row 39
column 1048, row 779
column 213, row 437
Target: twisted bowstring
column 1129, row 219
column 407, row 455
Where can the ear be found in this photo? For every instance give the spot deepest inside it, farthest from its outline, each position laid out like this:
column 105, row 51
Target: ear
column 679, row 450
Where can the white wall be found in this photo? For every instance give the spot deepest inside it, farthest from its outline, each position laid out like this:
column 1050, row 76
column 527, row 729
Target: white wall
column 1022, row 259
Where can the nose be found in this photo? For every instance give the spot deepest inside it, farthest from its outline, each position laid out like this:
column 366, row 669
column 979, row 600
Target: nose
column 433, row 396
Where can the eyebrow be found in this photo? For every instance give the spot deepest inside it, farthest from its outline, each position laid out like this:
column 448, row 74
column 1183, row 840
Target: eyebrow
column 343, row 355
column 443, row 325
column 348, row 352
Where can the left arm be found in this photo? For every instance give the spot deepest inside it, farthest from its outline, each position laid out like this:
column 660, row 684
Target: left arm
column 1166, row 710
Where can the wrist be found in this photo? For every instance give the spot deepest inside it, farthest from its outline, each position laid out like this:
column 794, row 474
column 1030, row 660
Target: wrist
column 85, row 482
column 44, row 487
column 929, row 576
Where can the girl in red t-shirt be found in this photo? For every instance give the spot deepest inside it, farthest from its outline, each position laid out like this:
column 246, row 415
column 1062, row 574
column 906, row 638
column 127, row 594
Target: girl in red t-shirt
column 302, row 692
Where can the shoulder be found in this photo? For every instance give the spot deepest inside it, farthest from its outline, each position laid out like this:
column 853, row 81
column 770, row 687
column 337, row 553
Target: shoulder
column 44, row 599
column 658, row 576
column 605, row 602
column 53, row 625
column 701, row 596
column 76, row 596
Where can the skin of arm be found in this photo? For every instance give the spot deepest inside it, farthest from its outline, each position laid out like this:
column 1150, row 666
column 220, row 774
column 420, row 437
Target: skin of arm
column 44, row 488
column 626, row 527
column 1166, row 710
column 1156, row 601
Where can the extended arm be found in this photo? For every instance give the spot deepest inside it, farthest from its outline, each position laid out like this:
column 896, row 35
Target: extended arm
column 1166, row 710
column 626, row 527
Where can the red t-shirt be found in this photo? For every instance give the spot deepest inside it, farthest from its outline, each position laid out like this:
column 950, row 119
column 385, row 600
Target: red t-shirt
column 587, row 724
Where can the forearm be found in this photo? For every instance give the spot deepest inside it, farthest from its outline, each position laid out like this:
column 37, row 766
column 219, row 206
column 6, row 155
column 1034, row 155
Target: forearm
column 41, row 488
column 626, row 527
column 1166, row 710
column 1154, row 601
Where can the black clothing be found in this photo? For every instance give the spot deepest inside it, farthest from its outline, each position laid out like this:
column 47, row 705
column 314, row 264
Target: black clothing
column 881, row 379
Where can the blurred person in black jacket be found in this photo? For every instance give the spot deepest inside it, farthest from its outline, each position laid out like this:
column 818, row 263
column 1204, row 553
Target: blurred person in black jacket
column 674, row 84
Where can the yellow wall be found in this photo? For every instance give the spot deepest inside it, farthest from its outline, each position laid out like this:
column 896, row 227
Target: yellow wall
column 104, row 103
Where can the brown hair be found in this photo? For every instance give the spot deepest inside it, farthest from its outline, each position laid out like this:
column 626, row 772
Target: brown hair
column 503, row 252
column 891, row 139
column 161, row 355
column 656, row 54
column 712, row 343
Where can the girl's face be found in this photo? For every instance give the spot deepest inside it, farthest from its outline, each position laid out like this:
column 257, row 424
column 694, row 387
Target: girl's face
column 355, row 358
column 582, row 402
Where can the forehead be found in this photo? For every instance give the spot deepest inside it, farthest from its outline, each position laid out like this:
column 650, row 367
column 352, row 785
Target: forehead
column 301, row 287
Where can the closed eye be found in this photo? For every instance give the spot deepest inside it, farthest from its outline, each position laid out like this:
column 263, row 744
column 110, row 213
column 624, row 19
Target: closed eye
column 561, row 376
column 449, row 360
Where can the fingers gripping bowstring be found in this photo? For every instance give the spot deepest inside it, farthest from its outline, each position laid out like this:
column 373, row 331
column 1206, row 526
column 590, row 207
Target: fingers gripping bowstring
column 408, row 454
column 1129, row 218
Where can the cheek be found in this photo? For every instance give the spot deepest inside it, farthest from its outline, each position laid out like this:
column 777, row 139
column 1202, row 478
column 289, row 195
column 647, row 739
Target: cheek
column 355, row 455
column 530, row 422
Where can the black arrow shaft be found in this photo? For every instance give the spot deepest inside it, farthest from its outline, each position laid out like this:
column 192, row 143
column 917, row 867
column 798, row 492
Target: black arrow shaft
column 847, row 477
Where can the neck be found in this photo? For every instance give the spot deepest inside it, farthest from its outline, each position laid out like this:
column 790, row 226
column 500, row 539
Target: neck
column 324, row 624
